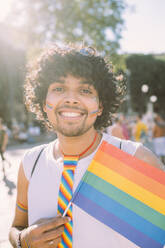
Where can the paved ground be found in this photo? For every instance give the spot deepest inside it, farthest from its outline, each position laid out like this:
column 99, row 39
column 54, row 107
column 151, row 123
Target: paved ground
column 8, row 181
column 8, row 193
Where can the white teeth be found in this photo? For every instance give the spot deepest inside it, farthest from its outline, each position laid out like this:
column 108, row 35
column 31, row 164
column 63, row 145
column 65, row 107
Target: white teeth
column 70, row 114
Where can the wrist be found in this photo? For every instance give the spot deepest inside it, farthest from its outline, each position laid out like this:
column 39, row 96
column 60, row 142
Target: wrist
column 19, row 240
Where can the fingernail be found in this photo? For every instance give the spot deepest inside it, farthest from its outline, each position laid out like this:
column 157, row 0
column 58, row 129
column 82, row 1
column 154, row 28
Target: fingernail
column 69, row 219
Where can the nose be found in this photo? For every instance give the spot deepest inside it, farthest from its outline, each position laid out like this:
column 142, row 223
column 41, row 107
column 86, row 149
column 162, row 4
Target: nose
column 71, row 98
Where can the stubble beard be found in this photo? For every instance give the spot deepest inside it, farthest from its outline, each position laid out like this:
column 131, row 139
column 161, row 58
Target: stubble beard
column 70, row 130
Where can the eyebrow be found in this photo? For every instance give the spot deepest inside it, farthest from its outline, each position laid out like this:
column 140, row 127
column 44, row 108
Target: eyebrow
column 86, row 82
column 81, row 82
column 59, row 81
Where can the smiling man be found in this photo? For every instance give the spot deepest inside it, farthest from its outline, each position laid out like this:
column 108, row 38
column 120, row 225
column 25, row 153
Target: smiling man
column 74, row 93
column 70, row 103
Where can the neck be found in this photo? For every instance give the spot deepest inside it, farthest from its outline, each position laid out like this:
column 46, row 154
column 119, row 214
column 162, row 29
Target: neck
column 76, row 145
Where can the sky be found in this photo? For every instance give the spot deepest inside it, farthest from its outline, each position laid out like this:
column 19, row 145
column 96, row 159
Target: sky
column 144, row 30
column 144, row 27
column 4, row 8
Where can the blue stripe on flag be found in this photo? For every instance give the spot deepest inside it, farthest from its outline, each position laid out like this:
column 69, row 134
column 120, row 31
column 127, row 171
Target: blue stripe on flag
column 115, row 223
column 124, row 213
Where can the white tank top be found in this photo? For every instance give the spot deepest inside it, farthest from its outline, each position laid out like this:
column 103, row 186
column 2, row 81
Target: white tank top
column 43, row 195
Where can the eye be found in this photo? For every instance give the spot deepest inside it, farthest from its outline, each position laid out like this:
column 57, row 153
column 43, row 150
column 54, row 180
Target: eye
column 86, row 91
column 57, row 89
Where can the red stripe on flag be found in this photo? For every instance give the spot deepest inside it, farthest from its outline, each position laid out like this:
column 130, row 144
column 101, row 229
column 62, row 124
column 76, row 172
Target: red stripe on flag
column 130, row 173
column 139, row 165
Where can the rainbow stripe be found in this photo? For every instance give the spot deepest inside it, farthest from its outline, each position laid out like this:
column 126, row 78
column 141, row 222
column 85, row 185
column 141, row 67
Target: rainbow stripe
column 126, row 194
column 26, row 244
column 65, row 195
column 70, row 160
column 94, row 112
column 21, row 207
column 49, row 105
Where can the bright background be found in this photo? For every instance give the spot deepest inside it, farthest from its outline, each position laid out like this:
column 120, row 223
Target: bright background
column 144, row 27
column 5, row 7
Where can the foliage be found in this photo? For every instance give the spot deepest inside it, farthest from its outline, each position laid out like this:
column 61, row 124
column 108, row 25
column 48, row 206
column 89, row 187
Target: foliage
column 160, row 56
column 97, row 23
column 146, row 69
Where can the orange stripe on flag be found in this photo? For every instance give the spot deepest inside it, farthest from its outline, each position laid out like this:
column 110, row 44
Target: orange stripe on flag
column 139, row 165
column 128, row 187
column 130, row 173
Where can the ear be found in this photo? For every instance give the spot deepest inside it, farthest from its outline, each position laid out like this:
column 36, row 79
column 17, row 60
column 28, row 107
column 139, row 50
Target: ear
column 100, row 109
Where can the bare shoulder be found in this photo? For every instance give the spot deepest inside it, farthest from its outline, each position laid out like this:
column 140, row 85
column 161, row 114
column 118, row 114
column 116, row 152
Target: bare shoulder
column 22, row 180
column 148, row 156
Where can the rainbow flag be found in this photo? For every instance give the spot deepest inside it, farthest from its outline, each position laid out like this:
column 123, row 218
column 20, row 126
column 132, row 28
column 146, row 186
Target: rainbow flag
column 126, row 194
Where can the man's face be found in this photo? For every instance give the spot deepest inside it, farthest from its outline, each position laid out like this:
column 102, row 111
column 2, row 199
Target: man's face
column 72, row 106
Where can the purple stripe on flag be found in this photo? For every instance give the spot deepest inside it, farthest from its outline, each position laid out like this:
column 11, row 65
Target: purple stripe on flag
column 115, row 223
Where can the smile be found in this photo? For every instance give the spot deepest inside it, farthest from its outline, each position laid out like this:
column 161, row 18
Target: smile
column 70, row 114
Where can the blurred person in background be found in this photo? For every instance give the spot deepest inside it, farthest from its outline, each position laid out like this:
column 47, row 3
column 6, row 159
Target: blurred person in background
column 119, row 128
column 159, row 137
column 3, row 141
column 125, row 127
column 140, row 130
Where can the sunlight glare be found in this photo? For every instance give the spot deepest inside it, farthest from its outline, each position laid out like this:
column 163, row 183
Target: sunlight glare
column 5, row 8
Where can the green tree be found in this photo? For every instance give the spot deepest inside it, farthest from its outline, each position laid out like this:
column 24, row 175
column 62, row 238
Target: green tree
column 146, row 69
column 97, row 23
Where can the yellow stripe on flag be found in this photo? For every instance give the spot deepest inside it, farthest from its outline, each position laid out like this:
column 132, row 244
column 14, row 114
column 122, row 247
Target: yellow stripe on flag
column 128, row 187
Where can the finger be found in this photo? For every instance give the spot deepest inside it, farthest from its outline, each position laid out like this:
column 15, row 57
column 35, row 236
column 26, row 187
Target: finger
column 54, row 233
column 52, row 244
column 53, row 223
column 42, row 220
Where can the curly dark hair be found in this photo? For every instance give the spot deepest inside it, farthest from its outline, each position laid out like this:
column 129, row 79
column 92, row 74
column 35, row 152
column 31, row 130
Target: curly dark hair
column 56, row 62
